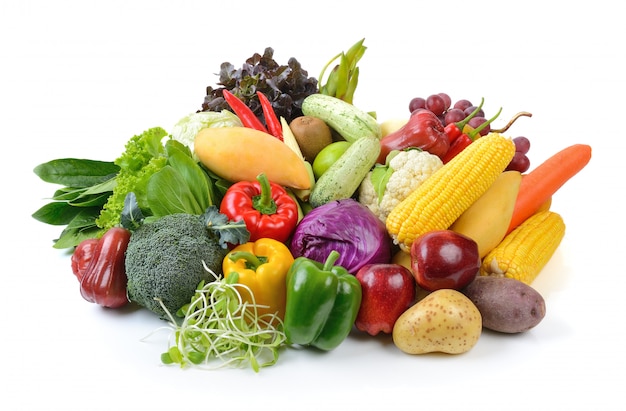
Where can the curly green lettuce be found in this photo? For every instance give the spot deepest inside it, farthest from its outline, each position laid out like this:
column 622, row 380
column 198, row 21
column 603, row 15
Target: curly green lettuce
column 143, row 156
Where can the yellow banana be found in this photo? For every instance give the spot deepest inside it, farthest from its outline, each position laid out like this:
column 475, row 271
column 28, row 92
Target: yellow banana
column 487, row 219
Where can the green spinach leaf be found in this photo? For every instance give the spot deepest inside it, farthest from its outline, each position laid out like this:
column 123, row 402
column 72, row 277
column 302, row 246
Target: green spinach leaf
column 73, row 172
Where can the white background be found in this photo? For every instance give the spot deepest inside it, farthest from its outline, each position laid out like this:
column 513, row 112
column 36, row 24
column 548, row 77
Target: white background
column 79, row 78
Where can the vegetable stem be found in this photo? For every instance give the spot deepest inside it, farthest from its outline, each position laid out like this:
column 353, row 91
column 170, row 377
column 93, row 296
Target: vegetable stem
column 330, row 260
column 264, row 202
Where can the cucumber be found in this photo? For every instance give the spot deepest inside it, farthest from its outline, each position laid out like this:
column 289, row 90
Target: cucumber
column 346, row 119
column 344, row 176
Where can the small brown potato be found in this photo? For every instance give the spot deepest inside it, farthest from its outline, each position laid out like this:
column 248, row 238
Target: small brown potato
column 312, row 135
column 445, row 321
column 506, row 305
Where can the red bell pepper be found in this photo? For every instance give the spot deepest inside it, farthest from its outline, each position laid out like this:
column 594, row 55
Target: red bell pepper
column 245, row 114
column 82, row 257
column 423, row 130
column 99, row 265
column 265, row 207
column 271, row 120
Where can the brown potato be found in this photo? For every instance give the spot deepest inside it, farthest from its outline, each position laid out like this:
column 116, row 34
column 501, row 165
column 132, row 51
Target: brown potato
column 506, row 305
column 444, row 321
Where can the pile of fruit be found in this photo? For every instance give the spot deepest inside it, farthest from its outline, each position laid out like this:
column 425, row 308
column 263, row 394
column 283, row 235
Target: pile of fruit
column 281, row 214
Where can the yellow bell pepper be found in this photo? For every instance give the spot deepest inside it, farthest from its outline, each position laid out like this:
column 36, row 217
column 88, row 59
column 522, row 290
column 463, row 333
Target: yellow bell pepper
column 262, row 265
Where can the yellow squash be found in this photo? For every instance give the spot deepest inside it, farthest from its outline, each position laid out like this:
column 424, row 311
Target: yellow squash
column 241, row 154
column 487, row 220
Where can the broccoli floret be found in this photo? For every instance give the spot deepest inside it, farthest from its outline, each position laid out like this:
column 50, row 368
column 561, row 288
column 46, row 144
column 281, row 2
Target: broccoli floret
column 164, row 260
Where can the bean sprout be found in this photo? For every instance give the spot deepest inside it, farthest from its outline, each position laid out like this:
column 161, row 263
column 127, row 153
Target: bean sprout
column 219, row 329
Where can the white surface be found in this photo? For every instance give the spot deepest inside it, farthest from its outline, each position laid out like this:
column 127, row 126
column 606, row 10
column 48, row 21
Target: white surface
column 79, row 79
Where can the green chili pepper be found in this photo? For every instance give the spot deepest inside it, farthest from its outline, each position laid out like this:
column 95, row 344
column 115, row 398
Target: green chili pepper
column 323, row 301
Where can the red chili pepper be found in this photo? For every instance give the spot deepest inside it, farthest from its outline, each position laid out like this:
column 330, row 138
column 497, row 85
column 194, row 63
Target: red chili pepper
column 423, row 130
column 271, row 120
column 466, row 138
column 266, row 208
column 99, row 266
column 456, row 147
column 454, row 130
column 245, row 114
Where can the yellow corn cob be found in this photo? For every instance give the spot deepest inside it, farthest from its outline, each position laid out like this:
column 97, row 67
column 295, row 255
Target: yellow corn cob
column 524, row 252
column 443, row 197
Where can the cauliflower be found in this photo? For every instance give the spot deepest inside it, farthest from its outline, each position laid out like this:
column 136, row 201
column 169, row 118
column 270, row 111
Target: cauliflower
column 387, row 185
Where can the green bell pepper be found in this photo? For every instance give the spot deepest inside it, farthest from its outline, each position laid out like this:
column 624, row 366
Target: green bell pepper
column 323, row 301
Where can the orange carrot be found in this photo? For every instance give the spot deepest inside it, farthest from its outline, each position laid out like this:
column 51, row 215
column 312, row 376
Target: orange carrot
column 544, row 180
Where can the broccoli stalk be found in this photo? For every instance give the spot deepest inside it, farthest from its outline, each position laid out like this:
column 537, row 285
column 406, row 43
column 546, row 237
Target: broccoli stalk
column 166, row 258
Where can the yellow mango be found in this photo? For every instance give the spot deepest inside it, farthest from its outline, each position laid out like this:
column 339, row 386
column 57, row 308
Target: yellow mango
column 241, row 154
column 487, row 219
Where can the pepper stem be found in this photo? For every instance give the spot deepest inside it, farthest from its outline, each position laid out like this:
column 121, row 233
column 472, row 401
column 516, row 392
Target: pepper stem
column 330, row 260
column 472, row 135
column 461, row 124
column 511, row 121
column 252, row 261
column 264, row 203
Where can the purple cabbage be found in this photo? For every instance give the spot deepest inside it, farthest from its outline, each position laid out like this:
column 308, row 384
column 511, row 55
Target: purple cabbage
column 346, row 226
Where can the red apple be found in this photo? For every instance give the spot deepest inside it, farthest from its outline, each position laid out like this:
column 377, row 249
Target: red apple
column 444, row 259
column 388, row 290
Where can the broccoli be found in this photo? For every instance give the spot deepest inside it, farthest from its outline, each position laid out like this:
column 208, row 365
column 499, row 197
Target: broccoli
column 164, row 260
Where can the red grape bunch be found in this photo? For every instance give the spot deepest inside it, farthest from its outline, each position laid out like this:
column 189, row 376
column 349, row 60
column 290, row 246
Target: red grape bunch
column 441, row 105
column 520, row 161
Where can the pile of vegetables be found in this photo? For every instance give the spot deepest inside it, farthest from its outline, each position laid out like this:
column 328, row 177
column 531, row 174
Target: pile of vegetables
column 243, row 254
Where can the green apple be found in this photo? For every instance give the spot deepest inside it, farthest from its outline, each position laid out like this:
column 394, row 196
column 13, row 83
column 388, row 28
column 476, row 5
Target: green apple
column 327, row 156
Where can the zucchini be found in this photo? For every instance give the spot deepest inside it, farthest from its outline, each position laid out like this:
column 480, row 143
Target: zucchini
column 344, row 176
column 346, row 119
